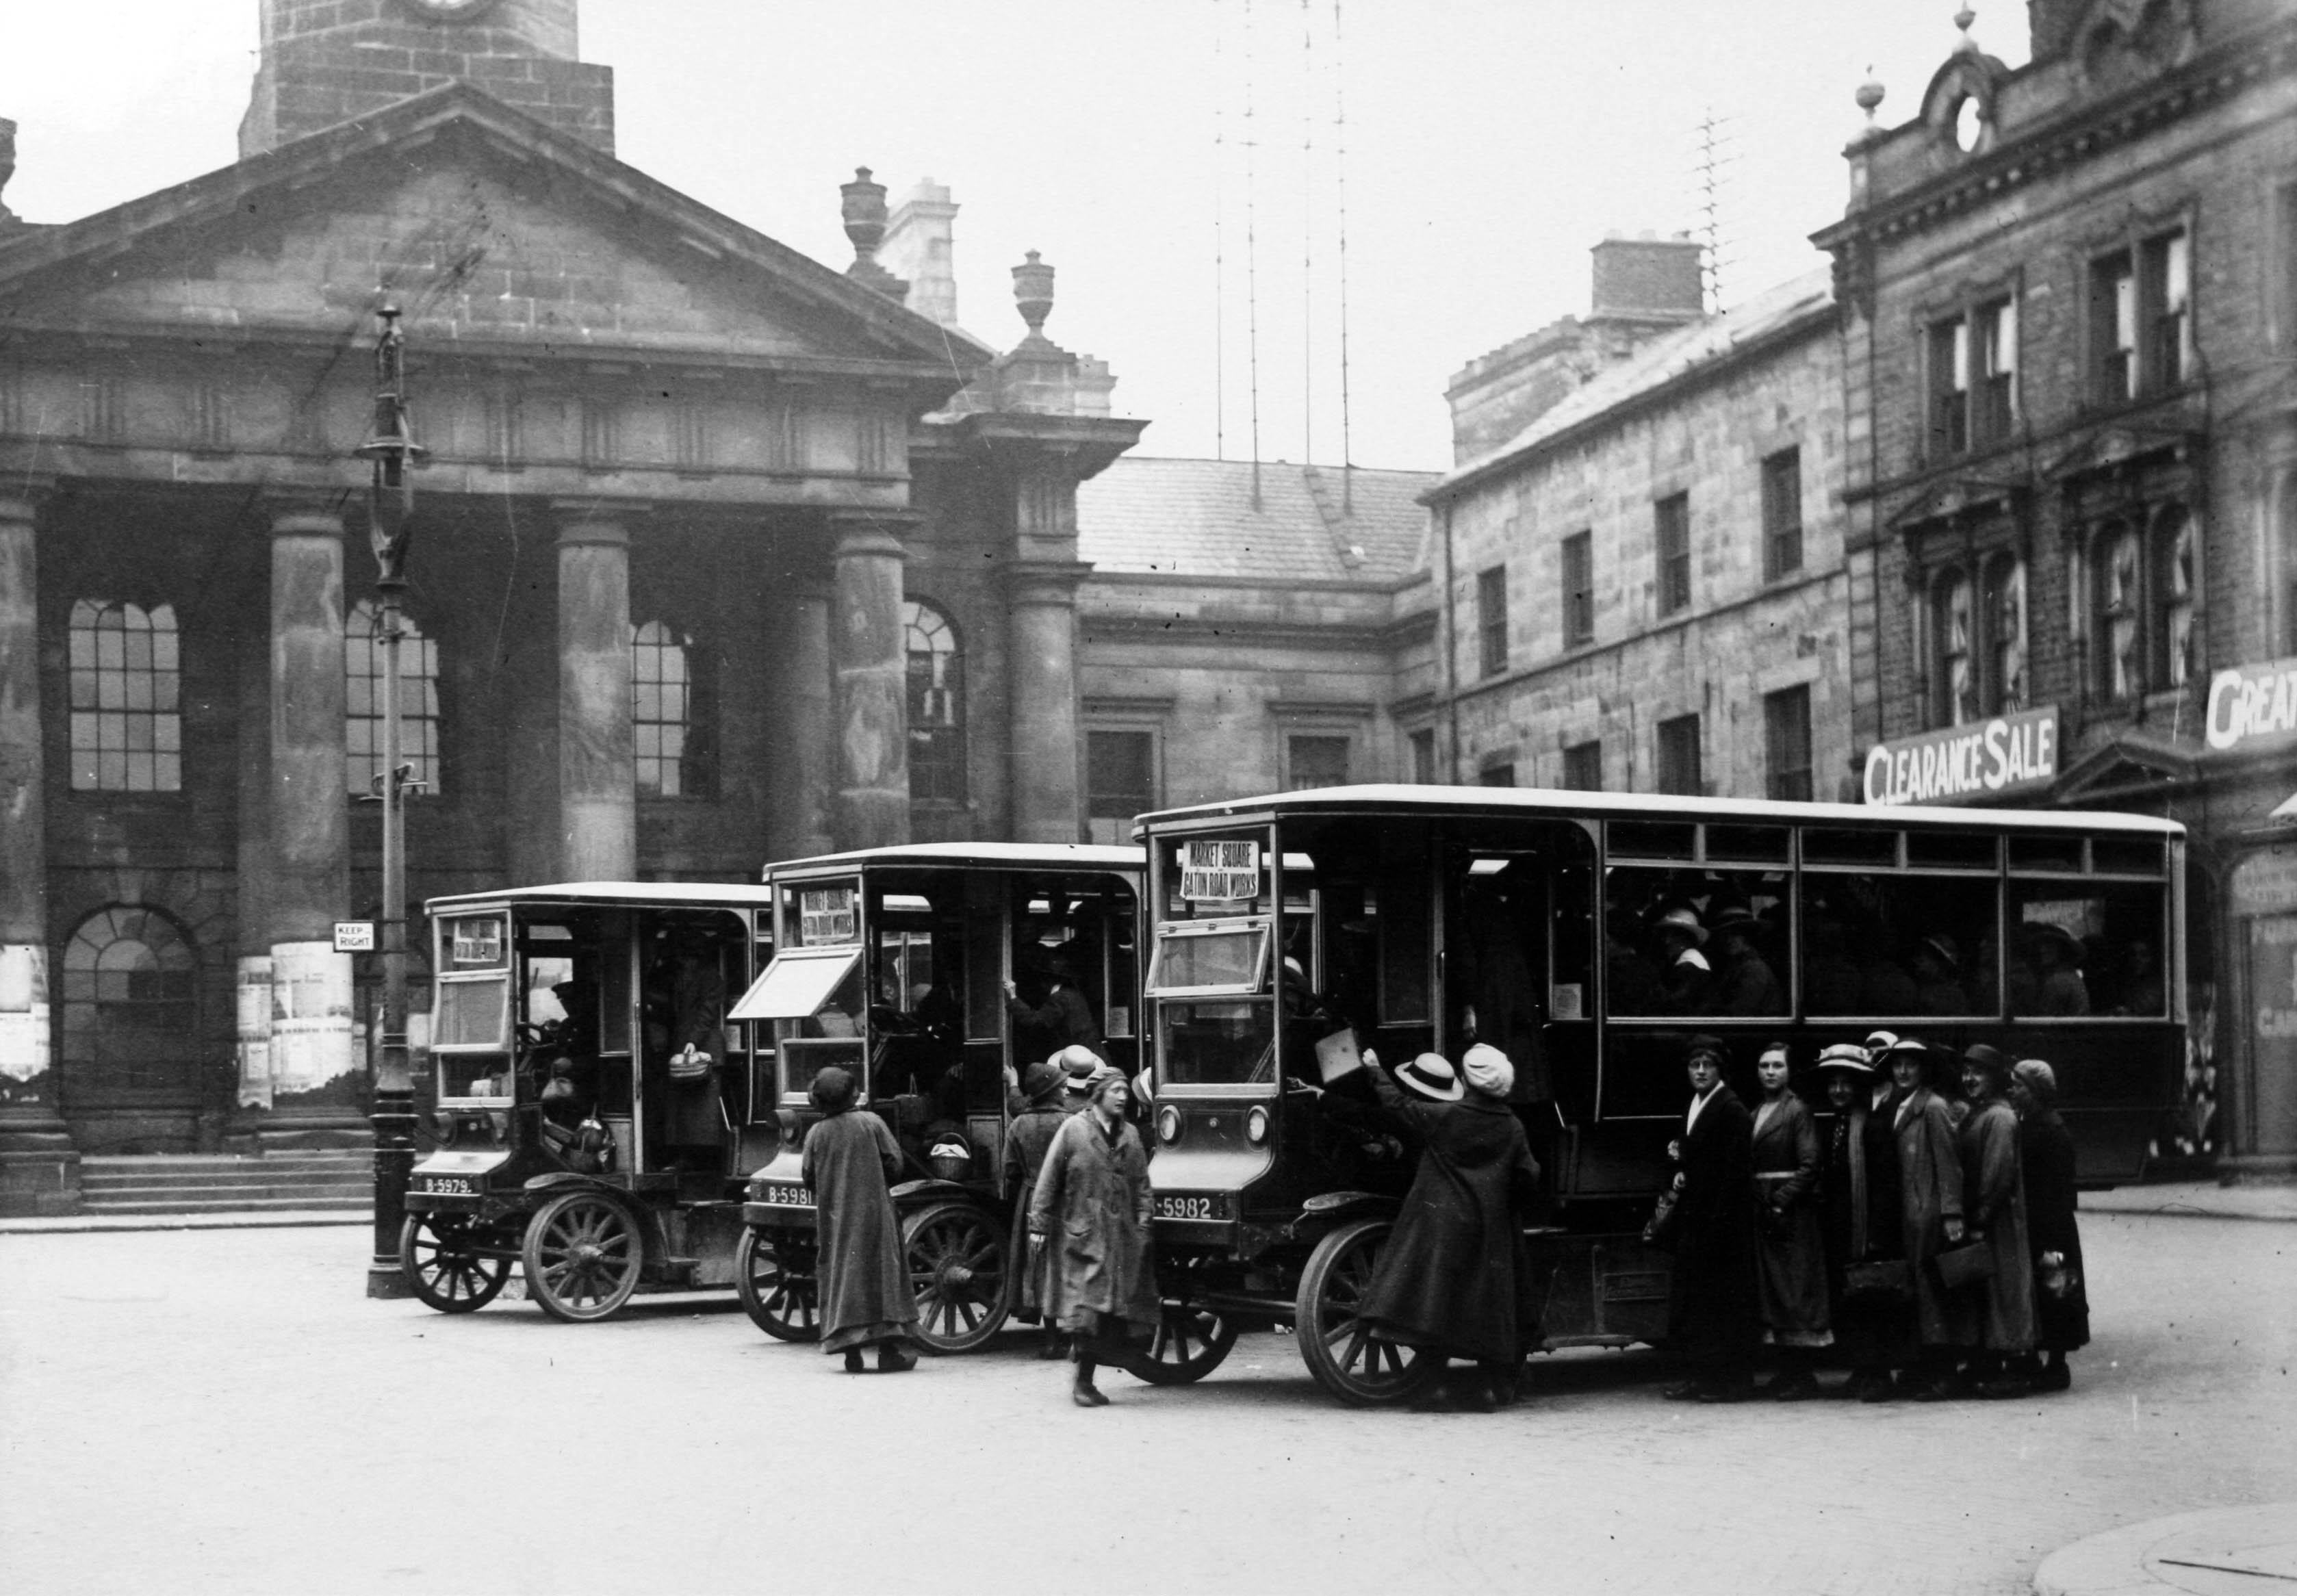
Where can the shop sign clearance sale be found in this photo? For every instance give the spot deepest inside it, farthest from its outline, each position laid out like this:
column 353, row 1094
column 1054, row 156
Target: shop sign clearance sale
column 1986, row 759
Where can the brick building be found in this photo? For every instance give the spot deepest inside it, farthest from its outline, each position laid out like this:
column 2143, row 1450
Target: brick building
column 1641, row 588
column 2070, row 306
column 718, row 559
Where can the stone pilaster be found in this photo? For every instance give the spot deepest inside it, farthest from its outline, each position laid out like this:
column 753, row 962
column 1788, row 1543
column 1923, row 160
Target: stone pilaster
column 1047, row 767
column 316, row 1075
column 798, row 772
column 598, row 780
column 870, row 677
column 39, row 1169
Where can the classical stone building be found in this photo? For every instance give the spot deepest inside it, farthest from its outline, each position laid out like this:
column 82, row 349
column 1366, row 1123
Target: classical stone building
column 1641, row 588
column 719, row 558
column 2069, row 296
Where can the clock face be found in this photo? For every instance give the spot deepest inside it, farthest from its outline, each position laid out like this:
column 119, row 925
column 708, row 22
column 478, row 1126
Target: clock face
column 447, row 11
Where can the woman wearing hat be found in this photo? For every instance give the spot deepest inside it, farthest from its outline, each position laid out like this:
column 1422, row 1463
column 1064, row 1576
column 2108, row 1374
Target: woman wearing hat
column 1714, row 1321
column 1089, row 1222
column 2045, row 1153
column 1860, row 1222
column 1929, row 1212
column 851, row 1161
column 2057, row 953
column 1455, row 1278
column 2000, row 1325
column 1687, row 980
column 1790, row 1254
column 1027, row 1138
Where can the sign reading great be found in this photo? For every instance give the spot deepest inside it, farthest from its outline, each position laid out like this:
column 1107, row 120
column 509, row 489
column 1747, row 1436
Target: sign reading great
column 1989, row 759
column 2252, row 703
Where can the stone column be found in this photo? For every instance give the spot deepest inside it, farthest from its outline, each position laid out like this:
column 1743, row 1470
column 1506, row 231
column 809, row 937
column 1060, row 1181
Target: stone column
column 39, row 1169
column 870, row 673
column 315, row 1072
column 1047, row 767
column 598, row 780
column 797, row 773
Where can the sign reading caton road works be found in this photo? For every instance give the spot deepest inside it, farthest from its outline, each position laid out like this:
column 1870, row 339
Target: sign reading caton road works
column 1989, row 759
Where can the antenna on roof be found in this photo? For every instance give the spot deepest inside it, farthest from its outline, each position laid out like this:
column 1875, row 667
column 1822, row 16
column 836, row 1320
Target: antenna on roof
column 1716, row 156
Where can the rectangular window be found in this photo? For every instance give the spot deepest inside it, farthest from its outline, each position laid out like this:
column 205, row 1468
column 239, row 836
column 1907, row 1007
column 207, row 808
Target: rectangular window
column 126, row 684
column 1496, row 776
column 2165, row 288
column 1678, row 757
column 1423, row 757
column 1672, row 519
column 1317, row 762
column 1491, row 619
column 1783, row 514
column 1996, row 401
column 1786, row 741
column 2285, row 268
column 1583, row 767
column 1120, row 781
column 1949, row 374
column 2113, row 329
column 1578, row 589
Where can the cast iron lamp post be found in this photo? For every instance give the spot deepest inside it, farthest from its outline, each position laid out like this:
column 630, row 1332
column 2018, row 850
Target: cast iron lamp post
column 391, row 505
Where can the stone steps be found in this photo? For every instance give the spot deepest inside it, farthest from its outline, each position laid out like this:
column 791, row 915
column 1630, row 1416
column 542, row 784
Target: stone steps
column 336, row 1180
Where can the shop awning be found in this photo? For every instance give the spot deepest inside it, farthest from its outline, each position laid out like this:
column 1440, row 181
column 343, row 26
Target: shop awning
column 796, row 985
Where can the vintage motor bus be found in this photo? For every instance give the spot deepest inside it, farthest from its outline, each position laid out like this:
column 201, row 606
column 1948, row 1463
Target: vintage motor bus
column 896, row 964
column 1550, row 924
column 593, row 1101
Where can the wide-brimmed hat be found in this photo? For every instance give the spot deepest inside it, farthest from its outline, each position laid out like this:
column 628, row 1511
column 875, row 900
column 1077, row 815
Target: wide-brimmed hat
column 1905, row 1044
column 2040, row 931
column 1432, row 1076
column 1844, row 1055
column 1077, row 1061
column 1042, row 1083
column 1736, row 917
column 1879, row 1042
column 1684, row 920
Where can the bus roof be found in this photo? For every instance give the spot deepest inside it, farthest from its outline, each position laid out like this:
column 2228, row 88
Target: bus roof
column 1035, row 856
column 1400, row 799
column 661, row 894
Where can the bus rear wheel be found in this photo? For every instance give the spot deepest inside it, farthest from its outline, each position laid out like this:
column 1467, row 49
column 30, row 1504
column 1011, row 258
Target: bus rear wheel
column 584, row 1256
column 1189, row 1343
column 774, row 1276
column 959, row 1259
column 1363, row 1370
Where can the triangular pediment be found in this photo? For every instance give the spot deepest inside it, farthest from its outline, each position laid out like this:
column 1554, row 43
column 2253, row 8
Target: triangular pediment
column 2112, row 448
column 2128, row 766
column 491, row 229
column 1953, row 500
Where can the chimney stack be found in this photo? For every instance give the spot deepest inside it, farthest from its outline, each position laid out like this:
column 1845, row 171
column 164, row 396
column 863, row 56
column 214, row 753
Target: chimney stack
column 920, row 246
column 1648, row 279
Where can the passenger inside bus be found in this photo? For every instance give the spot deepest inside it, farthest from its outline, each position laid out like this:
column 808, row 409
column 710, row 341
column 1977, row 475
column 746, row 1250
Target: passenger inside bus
column 1745, row 984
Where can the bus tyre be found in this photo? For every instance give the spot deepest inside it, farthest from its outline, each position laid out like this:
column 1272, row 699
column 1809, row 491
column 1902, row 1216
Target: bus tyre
column 439, row 1257
column 584, row 1256
column 774, row 1277
column 1189, row 1343
column 959, row 1259
column 1359, row 1368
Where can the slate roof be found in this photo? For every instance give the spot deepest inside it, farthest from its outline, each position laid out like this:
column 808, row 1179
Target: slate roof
column 1678, row 354
column 1197, row 518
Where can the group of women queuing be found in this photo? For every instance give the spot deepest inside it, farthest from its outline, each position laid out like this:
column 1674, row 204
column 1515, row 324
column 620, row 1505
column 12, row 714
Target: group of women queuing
column 1924, row 1239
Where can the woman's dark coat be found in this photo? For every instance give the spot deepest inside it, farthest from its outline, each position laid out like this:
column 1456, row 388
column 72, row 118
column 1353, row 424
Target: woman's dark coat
column 1929, row 1174
column 1861, row 1224
column 1092, row 1206
column 2047, row 1149
column 850, row 1161
column 1455, row 1276
column 1027, row 1139
column 1790, row 1254
column 1994, row 1202
column 1713, row 1319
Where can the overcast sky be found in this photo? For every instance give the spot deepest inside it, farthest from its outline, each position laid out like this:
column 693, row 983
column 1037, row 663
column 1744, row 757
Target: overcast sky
column 1489, row 144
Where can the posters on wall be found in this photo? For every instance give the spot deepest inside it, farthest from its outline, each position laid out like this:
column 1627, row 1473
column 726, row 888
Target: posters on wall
column 311, row 1042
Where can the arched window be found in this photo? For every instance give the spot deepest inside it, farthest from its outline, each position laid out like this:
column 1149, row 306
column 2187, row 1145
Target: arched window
column 673, row 714
column 2121, row 668
column 936, row 705
column 129, row 1004
column 2173, row 544
column 1955, row 617
column 2006, row 634
column 418, row 701
column 127, row 723
column 2285, row 514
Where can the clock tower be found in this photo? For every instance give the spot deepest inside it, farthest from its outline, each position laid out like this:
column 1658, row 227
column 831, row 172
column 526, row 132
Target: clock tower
column 329, row 61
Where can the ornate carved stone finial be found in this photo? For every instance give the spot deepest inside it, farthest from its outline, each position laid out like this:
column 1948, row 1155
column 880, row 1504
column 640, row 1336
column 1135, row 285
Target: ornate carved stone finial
column 1963, row 18
column 1033, row 293
column 865, row 214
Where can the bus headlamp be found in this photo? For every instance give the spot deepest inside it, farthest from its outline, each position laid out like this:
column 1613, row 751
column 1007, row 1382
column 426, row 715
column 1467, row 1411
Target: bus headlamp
column 1168, row 1125
column 1256, row 1126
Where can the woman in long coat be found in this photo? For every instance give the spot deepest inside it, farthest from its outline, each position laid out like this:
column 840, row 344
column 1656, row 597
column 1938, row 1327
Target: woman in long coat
column 1089, row 1223
column 1454, row 1277
column 2046, row 1150
column 1713, row 1320
column 851, row 1161
column 1993, row 1212
column 1930, row 1186
column 1027, row 1138
column 1859, row 1221
column 1790, row 1254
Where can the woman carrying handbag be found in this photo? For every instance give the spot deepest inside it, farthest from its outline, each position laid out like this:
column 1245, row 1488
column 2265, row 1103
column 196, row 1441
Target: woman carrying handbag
column 2001, row 1302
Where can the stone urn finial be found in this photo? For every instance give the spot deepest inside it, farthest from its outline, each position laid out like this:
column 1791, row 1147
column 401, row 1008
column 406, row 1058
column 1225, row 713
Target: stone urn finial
column 865, row 215
column 1033, row 293
column 1870, row 95
column 7, row 164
